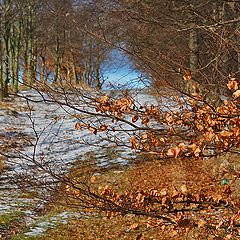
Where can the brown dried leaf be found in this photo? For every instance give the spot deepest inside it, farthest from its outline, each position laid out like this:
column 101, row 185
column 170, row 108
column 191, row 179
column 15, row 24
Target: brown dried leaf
column 134, row 118
column 103, row 99
column 163, row 192
column 93, row 179
column 80, row 126
column 225, row 133
column 92, row 130
column 103, row 127
column 140, row 198
column 228, row 237
column 134, row 226
column 184, row 188
column 232, row 84
column 139, row 236
column 187, row 75
column 170, row 152
column 145, row 120
column 173, row 233
column 134, row 143
column 169, row 118
column 175, row 193
column 195, row 149
column 219, row 224
column 236, row 94
column 201, row 223
column 110, row 215
column 181, row 146
column 173, row 152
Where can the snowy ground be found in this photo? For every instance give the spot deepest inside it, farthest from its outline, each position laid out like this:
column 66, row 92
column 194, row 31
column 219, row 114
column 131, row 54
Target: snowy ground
column 58, row 142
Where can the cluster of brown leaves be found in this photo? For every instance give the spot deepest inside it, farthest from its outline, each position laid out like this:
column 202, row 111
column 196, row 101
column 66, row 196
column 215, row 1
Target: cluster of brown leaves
column 233, row 84
column 192, row 131
column 114, row 107
column 178, row 197
column 172, row 208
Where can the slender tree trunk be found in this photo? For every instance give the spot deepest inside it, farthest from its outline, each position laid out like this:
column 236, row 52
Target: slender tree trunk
column 42, row 70
column 225, row 55
column 34, row 67
column 68, row 73
column 28, row 56
column 73, row 69
column 26, row 66
column 194, row 48
column 6, row 49
column 57, row 61
column 6, row 74
column 1, row 73
column 191, row 85
column 30, row 40
column 15, row 48
column 98, row 83
column 57, row 53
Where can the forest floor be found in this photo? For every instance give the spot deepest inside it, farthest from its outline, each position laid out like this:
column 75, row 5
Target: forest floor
column 34, row 132
column 193, row 176
column 59, row 145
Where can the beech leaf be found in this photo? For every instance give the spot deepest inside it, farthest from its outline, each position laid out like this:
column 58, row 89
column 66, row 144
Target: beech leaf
column 236, row 94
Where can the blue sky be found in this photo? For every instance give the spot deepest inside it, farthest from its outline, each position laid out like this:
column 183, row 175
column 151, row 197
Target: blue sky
column 119, row 72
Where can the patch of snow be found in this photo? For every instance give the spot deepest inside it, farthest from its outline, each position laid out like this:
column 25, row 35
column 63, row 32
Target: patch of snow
column 59, row 144
column 41, row 227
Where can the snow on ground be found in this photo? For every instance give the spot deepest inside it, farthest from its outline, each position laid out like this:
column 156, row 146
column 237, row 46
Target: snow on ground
column 58, row 142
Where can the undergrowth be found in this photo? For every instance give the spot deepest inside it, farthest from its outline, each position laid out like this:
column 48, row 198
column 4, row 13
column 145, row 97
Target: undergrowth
column 194, row 175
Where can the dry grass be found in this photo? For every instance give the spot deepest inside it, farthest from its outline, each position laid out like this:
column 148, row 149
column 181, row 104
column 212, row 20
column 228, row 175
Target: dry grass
column 119, row 228
column 195, row 175
column 2, row 163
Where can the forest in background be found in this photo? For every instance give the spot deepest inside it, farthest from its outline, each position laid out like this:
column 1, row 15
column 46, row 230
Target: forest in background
column 184, row 180
column 69, row 41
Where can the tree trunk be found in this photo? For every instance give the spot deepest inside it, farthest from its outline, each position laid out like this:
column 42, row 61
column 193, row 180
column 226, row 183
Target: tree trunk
column 194, row 48
column 1, row 74
column 74, row 76
column 6, row 49
column 15, row 47
column 57, row 55
column 42, row 70
column 28, row 56
column 98, row 83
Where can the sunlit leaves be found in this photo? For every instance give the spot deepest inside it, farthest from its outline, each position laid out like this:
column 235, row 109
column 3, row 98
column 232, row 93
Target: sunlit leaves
column 187, row 75
column 173, row 152
column 206, row 126
column 134, row 143
column 232, row 84
column 236, row 94
column 195, row 149
column 135, row 118
column 115, row 107
column 82, row 126
column 193, row 132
